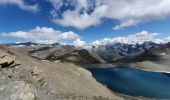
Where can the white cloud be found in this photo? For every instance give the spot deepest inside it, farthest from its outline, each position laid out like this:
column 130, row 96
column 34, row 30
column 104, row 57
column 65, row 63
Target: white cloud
column 80, row 21
column 41, row 35
column 166, row 40
column 79, row 42
column 131, row 39
column 21, row 4
column 127, row 12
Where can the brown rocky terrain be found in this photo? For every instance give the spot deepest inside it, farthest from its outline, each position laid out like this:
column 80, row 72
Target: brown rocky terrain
column 25, row 78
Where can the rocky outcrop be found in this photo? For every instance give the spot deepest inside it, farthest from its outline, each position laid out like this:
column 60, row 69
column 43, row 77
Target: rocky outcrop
column 7, row 60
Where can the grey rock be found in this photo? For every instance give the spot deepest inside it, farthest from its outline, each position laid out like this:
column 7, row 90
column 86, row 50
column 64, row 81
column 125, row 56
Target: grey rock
column 17, row 90
column 7, row 60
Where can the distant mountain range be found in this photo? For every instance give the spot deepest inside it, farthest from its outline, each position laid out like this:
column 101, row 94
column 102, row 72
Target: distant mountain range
column 118, row 52
column 154, row 53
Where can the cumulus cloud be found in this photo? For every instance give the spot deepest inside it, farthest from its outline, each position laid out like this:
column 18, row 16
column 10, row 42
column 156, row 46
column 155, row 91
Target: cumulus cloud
column 75, row 17
column 21, row 4
column 79, row 21
column 135, row 38
column 84, row 13
column 79, row 42
column 41, row 35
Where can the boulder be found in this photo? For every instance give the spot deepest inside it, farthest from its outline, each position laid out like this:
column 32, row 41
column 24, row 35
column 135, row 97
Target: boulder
column 7, row 60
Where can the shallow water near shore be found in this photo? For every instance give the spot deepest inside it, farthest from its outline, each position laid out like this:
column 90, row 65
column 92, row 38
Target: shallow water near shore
column 134, row 82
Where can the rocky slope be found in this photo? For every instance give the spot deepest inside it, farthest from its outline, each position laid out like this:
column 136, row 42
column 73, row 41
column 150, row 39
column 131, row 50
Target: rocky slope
column 119, row 51
column 77, row 56
column 152, row 54
column 154, row 59
column 25, row 78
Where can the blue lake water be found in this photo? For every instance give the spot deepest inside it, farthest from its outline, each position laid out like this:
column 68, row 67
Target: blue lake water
column 134, row 82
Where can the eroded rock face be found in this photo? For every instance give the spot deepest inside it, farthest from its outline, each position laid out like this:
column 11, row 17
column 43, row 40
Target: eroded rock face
column 7, row 60
column 17, row 90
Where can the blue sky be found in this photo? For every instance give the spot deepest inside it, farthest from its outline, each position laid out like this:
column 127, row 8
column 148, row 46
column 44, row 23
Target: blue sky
column 84, row 21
